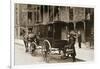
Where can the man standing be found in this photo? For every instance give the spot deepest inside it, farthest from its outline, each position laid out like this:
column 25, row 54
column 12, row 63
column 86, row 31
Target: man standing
column 25, row 39
column 72, row 40
column 71, row 46
column 79, row 39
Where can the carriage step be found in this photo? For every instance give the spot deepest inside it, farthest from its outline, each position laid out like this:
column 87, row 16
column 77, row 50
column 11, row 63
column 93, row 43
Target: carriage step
column 54, row 49
column 69, row 51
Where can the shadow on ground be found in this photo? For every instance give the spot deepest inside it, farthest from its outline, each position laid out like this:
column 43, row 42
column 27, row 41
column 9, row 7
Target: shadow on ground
column 57, row 59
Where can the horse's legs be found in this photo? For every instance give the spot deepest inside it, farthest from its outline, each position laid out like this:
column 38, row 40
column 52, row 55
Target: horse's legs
column 26, row 45
column 59, row 51
column 33, row 49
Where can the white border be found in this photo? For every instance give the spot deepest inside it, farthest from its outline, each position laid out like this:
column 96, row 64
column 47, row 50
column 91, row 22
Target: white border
column 75, row 3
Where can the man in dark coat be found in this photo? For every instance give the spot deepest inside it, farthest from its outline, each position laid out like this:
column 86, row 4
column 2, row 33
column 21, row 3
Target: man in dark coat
column 72, row 40
column 79, row 39
column 71, row 45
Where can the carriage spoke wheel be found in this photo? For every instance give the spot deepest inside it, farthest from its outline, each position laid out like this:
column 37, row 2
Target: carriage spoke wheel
column 46, row 51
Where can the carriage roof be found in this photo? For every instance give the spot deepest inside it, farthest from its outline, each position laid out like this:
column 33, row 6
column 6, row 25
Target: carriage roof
column 58, row 22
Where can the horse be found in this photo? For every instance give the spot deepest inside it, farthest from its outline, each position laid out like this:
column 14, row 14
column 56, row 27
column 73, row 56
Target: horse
column 33, row 41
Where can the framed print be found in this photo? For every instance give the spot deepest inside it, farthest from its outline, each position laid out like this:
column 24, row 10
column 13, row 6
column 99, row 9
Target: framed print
column 46, row 33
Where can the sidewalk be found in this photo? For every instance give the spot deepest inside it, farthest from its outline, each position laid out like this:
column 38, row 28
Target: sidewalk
column 19, row 42
column 85, row 53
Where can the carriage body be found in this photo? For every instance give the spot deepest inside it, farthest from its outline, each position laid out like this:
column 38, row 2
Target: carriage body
column 55, row 30
column 52, row 32
column 54, row 35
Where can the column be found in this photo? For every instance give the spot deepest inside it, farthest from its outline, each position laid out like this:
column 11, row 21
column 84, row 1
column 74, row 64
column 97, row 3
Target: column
column 84, row 30
column 74, row 25
column 53, row 13
column 39, row 13
column 48, row 14
column 43, row 13
column 18, row 20
column 36, row 13
column 59, row 13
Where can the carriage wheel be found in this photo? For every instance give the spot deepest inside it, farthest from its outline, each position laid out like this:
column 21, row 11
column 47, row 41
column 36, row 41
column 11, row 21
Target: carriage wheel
column 33, row 48
column 46, row 50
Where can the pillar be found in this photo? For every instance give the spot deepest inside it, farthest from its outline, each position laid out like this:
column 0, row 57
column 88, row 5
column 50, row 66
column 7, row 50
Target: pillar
column 84, row 30
column 74, row 26
column 43, row 13
column 53, row 13
column 18, row 21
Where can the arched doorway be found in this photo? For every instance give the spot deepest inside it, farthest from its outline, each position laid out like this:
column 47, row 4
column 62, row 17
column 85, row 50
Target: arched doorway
column 30, row 29
column 71, row 26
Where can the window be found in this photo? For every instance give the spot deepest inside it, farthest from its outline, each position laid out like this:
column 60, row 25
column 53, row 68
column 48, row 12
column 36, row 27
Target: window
column 37, row 14
column 56, row 12
column 87, row 13
column 30, row 15
column 50, row 31
column 70, row 13
column 51, row 12
column 29, row 6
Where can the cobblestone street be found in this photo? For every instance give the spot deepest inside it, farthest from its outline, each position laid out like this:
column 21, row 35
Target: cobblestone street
column 22, row 58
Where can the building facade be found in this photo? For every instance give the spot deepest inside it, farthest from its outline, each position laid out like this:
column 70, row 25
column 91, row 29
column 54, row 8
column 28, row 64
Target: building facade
column 79, row 18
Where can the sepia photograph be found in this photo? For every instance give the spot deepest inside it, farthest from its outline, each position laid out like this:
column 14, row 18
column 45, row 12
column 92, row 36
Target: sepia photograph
column 45, row 34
